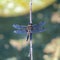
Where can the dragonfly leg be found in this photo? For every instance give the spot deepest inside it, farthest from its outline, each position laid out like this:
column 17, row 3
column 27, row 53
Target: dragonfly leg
column 30, row 36
column 27, row 37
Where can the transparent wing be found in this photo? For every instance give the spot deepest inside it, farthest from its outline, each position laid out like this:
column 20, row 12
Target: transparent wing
column 42, row 23
column 39, row 27
column 19, row 26
column 20, row 31
column 39, row 24
column 38, row 30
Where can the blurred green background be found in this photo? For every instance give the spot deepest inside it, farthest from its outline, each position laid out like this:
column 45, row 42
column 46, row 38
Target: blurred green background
column 14, row 46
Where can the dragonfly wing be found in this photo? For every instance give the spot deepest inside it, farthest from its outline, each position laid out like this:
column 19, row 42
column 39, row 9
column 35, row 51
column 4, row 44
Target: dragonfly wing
column 36, row 30
column 39, row 24
column 19, row 26
column 38, row 27
column 42, row 23
column 20, row 31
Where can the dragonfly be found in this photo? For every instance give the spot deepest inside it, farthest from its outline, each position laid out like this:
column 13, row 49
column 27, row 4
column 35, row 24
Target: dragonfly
column 29, row 29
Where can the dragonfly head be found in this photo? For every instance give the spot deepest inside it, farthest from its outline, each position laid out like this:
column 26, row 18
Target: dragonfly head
column 30, row 25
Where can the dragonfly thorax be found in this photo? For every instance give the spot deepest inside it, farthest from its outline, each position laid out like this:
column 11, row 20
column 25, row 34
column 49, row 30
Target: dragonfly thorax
column 29, row 28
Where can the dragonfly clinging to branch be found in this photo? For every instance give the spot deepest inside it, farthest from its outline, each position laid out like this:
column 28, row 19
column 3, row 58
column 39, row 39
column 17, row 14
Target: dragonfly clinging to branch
column 29, row 29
